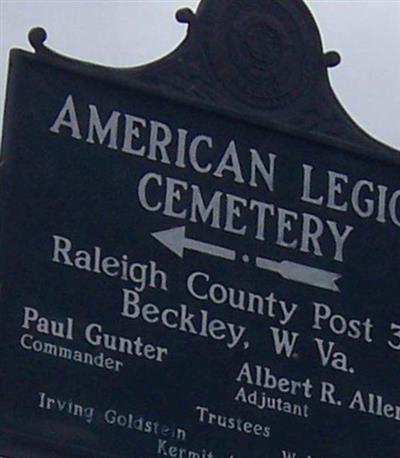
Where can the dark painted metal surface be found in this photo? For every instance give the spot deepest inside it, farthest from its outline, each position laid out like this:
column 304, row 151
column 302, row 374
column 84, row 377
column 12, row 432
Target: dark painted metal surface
column 303, row 212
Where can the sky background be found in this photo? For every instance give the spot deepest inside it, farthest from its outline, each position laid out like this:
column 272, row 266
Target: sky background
column 133, row 32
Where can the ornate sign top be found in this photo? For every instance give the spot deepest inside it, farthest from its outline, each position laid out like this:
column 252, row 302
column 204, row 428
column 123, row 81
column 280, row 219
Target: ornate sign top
column 197, row 256
column 261, row 59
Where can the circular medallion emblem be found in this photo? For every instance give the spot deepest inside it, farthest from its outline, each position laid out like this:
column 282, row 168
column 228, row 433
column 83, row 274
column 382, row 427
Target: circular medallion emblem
column 259, row 51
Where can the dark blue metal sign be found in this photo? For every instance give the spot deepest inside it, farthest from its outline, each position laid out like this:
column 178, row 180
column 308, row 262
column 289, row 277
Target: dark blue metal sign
column 181, row 280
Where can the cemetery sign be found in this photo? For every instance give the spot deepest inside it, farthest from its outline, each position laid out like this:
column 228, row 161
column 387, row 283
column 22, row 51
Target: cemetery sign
column 199, row 256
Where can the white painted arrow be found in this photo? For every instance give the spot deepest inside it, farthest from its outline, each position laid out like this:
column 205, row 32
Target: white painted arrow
column 301, row 273
column 175, row 240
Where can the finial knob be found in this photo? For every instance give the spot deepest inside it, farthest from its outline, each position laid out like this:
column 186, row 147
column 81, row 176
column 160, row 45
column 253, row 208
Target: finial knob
column 37, row 37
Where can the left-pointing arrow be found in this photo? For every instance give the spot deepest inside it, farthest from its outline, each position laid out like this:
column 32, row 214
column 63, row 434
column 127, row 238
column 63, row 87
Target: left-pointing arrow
column 175, row 240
